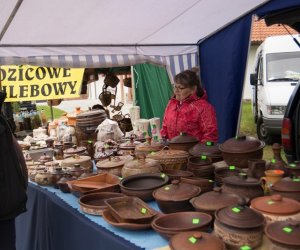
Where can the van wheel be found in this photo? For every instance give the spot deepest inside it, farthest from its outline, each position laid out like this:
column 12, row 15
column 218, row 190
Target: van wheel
column 262, row 132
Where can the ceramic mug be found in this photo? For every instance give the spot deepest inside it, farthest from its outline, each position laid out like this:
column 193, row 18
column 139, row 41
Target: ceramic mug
column 270, row 178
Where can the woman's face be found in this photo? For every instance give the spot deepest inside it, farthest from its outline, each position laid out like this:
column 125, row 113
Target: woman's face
column 182, row 92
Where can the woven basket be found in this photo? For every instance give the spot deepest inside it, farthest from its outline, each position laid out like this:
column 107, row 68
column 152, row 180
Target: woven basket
column 170, row 158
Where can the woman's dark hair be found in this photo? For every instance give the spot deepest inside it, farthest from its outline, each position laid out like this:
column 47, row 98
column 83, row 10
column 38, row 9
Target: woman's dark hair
column 189, row 79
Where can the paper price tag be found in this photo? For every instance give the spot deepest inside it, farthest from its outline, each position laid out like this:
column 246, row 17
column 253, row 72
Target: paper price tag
column 163, row 175
column 236, row 210
column 231, row 167
column 193, row 240
column 143, row 210
column 287, row 229
column 196, row 221
column 167, row 188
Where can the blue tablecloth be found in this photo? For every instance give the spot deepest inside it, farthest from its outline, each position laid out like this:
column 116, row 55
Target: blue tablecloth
column 54, row 221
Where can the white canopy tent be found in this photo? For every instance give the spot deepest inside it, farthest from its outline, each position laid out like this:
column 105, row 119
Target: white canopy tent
column 107, row 33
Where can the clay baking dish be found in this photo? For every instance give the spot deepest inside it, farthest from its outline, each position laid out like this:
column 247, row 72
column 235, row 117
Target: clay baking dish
column 130, row 210
column 101, row 182
column 143, row 185
column 95, row 203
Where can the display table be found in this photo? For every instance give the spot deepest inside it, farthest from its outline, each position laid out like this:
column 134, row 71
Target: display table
column 54, row 221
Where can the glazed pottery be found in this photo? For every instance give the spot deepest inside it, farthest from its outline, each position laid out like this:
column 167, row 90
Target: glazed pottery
column 238, row 150
column 270, row 178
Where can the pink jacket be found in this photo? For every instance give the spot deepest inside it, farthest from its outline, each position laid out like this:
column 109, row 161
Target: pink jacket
column 194, row 116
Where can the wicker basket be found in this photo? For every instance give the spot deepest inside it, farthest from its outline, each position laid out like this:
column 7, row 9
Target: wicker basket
column 170, row 158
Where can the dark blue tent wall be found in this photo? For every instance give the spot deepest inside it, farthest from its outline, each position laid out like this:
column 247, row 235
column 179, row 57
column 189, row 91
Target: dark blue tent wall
column 223, row 59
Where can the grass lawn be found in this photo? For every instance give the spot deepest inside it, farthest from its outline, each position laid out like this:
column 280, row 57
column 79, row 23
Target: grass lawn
column 248, row 127
column 56, row 112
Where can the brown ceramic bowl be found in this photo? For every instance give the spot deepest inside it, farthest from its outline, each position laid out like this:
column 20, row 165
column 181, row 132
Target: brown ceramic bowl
column 143, row 185
column 223, row 172
column 170, row 224
column 95, row 203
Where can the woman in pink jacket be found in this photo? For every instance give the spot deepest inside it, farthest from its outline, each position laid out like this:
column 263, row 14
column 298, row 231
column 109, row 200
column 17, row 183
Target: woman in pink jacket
column 189, row 111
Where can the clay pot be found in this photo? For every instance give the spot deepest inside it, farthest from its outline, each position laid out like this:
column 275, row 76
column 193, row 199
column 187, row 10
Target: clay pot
column 206, row 185
column 49, row 143
column 175, row 197
column 74, row 150
column 238, row 150
column 57, row 174
column 239, row 225
column 256, row 168
column 293, row 168
column 183, row 142
column 143, row 185
column 194, row 240
column 148, row 147
column 82, row 160
column 214, row 200
column 284, row 234
column 276, row 208
column 168, row 225
column 76, row 170
column 288, row 187
column 243, row 185
column 140, row 166
column 45, row 158
column 222, row 172
column 209, row 148
column 43, row 178
column 277, row 163
column 113, row 164
column 272, row 176
column 201, row 167
column 63, row 185
column 176, row 174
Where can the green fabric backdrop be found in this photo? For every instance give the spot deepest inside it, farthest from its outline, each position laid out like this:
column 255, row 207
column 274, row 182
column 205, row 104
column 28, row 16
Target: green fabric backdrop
column 153, row 89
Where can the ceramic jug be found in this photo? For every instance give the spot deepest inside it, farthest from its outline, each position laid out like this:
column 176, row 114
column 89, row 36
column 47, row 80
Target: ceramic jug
column 271, row 177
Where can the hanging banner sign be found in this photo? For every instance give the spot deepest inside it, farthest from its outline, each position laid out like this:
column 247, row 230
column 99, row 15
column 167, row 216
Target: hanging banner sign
column 29, row 83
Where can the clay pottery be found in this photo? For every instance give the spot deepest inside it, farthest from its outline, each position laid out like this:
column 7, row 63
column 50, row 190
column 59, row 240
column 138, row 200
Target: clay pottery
column 43, row 178
column 206, row 185
column 194, row 240
column 113, row 164
column 63, row 185
column 238, row 225
column 49, row 143
column 76, row 170
column 51, row 165
column 243, row 185
column 148, row 147
column 170, row 158
column 143, row 185
column 211, row 201
column 288, row 187
column 256, row 168
column 130, row 209
column 201, row 166
column 57, row 174
column 45, row 158
column 128, row 147
column 74, row 150
column 95, row 203
column 270, row 178
column 176, row 174
column 83, row 160
column 183, row 142
column 222, row 172
column 168, row 225
column 276, row 208
column 58, row 151
column 284, row 235
column 209, row 148
column 140, row 166
column 175, row 197
column 277, row 162
column 238, row 150
column 293, row 168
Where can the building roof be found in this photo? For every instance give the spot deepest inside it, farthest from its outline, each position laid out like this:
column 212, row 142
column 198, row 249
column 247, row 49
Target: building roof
column 260, row 31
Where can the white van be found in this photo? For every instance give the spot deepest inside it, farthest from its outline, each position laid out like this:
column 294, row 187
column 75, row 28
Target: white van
column 277, row 71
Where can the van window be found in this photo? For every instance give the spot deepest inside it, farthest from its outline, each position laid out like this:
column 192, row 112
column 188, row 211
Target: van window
column 283, row 66
column 260, row 70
